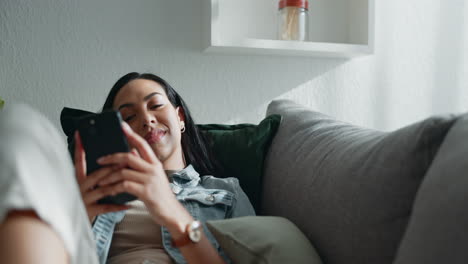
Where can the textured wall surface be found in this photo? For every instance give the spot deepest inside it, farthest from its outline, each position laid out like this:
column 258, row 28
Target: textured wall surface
column 56, row 53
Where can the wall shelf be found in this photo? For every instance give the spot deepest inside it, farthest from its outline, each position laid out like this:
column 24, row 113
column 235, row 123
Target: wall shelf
column 338, row 28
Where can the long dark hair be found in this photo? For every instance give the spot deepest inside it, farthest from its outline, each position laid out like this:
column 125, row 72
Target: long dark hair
column 194, row 143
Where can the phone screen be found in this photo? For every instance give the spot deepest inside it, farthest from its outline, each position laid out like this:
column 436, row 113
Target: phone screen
column 101, row 135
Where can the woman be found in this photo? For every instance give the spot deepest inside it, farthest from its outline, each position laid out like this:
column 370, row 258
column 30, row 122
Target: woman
column 43, row 218
column 163, row 171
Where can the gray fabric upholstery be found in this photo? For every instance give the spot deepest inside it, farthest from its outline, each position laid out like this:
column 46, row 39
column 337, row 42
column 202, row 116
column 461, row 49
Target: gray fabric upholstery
column 437, row 232
column 348, row 188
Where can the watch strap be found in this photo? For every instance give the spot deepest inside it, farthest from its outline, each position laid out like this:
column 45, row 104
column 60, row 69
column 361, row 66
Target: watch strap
column 183, row 241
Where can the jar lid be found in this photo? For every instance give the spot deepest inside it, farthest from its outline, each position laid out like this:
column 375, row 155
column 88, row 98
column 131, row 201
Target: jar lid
column 296, row 3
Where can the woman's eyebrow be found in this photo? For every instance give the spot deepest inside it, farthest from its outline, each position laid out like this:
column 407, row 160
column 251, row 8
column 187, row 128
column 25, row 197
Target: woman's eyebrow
column 146, row 98
column 150, row 95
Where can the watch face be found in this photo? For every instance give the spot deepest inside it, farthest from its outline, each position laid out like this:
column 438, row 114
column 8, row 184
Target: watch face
column 195, row 231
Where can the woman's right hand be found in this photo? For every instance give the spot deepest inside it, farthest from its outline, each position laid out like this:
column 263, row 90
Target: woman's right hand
column 87, row 183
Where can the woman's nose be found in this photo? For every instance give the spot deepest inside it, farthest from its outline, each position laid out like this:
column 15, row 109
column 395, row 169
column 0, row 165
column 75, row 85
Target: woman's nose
column 148, row 120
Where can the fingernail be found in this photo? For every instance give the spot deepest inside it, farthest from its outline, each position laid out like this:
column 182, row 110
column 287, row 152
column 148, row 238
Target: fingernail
column 126, row 127
column 101, row 160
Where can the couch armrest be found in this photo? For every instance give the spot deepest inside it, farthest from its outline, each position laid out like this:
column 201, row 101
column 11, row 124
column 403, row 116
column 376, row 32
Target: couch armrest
column 437, row 229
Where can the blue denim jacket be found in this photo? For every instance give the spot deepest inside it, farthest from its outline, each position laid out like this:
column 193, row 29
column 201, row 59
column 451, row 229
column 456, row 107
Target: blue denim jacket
column 206, row 198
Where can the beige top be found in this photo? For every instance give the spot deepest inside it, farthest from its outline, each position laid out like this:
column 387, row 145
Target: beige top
column 137, row 239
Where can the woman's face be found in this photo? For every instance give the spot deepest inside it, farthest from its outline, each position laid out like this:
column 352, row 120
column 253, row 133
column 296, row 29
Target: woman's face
column 144, row 105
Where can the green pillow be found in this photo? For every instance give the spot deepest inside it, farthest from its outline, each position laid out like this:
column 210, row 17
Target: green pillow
column 241, row 150
column 264, row 240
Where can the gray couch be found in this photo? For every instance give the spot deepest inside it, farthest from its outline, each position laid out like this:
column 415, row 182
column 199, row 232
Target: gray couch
column 365, row 196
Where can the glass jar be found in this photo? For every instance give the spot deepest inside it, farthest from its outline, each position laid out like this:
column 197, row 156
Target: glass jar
column 293, row 20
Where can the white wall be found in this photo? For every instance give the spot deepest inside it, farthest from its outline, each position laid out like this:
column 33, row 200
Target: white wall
column 69, row 53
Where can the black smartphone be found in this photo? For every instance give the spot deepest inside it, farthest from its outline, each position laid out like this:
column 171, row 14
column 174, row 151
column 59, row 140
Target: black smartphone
column 101, row 135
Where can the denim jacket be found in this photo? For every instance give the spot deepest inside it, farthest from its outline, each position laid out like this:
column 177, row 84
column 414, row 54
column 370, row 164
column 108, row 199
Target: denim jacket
column 206, row 198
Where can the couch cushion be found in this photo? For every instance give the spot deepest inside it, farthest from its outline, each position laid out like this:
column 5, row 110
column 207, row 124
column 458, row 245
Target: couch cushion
column 241, row 150
column 349, row 189
column 263, row 240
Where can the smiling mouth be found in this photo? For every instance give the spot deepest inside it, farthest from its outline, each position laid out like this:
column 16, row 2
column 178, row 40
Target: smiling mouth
column 155, row 136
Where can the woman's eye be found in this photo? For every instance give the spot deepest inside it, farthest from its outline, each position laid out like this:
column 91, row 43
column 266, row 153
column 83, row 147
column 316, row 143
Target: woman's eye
column 129, row 118
column 155, row 106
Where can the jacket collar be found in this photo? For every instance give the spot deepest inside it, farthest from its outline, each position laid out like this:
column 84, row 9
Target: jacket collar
column 187, row 177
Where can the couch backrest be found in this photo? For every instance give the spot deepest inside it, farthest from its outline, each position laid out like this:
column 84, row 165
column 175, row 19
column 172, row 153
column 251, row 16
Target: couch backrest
column 349, row 189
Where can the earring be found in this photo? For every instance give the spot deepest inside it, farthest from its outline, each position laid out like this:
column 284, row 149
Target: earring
column 183, row 127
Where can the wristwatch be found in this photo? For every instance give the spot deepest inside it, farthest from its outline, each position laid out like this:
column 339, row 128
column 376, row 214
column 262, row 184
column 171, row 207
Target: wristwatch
column 193, row 234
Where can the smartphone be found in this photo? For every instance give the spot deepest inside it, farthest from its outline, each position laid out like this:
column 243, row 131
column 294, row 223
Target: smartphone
column 101, row 135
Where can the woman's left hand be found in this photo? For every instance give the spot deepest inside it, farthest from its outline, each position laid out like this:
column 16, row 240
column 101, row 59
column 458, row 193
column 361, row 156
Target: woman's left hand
column 142, row 174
